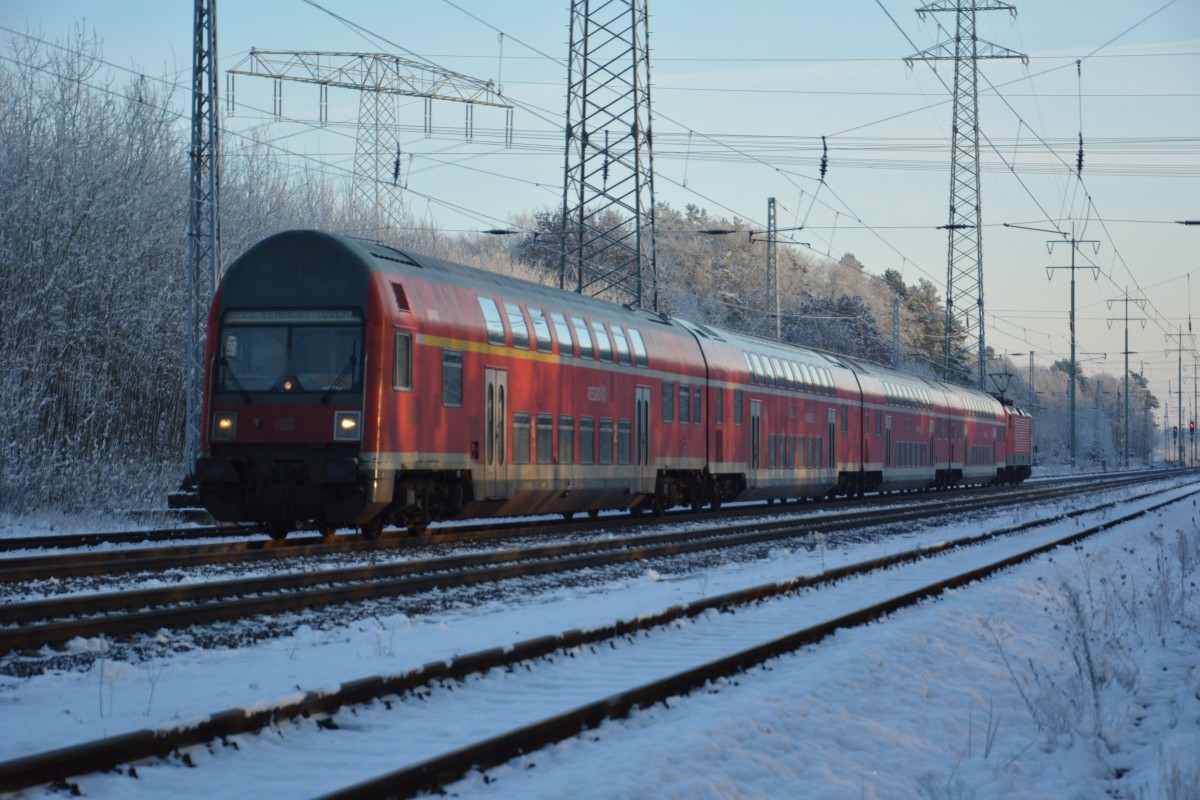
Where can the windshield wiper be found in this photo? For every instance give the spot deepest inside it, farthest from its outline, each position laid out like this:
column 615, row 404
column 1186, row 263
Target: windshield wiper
column 344, row 373
column 236, row 383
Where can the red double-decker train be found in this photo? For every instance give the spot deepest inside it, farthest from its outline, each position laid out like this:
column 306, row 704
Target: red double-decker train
column 350, row 384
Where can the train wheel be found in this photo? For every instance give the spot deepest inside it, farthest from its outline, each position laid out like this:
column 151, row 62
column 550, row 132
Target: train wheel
column 658, row 505
column 715, row 503
column 636, row 511
column 372, row 530
column 326, row 530
column 279, row 530
column 568, row 515
column 593, row 513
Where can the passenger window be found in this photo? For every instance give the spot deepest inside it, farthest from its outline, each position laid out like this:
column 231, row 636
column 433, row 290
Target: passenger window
column 541, row 330
column 696, row 405
column 602, row 343
column 639, row 348
column 791, row 376
column 493, row 320
column 760, row 375
column 516, row 321
column 621, row 343
column 587, row 440
column 566, row 440
column 452, row 378
column 749, row 367
column 402, row 362
column 566, row 345
column 585, row 338
column 520, row 437
column 624, row 441
column 668, row 404
column 780, row 377
column 737, row 406
column 545, row 438
column 769, row 371
column 685, row 404
column 606, row 441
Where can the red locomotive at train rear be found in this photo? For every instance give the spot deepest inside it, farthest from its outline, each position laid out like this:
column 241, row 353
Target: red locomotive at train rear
column 350, row 384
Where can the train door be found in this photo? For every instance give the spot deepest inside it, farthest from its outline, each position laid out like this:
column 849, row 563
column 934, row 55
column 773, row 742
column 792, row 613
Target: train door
column 887, row 441
column 645, row 473
column 495, row 461
column 832, row 418
column 755, row 434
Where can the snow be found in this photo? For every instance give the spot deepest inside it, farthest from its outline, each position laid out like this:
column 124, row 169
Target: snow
column 1073, row 675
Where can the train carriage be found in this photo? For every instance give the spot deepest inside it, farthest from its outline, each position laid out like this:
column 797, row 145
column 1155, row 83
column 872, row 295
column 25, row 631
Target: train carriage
column 353, row 384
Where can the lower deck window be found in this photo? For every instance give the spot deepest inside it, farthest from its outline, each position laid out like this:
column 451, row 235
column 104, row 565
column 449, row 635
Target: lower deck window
column 520, row 437
column 587, row 440
column 545, row 438
column 606, row 441
column 566, row 440
column 624, row 441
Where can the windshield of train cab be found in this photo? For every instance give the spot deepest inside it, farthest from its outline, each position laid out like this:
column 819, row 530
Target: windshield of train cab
column 290, row 351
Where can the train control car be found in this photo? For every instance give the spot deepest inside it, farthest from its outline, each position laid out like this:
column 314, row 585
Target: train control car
column 350, row 384
column 1018, row 462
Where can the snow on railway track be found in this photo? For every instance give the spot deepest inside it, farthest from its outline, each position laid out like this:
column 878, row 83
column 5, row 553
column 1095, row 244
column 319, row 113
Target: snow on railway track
column 608, row 669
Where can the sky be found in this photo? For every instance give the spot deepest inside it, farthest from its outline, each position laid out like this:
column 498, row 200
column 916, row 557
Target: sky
column 979, row 693
column 741, row 96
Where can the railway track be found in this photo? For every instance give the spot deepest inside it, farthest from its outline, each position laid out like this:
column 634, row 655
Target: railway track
column 58, row 565
column 34, row 624
column 766, row 626
column 63, row 542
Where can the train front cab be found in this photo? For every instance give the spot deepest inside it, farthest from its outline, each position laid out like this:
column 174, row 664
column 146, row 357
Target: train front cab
column 285, row 376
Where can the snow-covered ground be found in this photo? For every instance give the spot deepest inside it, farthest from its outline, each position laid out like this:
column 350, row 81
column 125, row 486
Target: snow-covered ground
column 1076, row 675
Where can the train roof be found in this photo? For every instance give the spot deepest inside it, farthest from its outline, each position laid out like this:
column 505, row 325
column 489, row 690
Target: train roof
column 276, row 270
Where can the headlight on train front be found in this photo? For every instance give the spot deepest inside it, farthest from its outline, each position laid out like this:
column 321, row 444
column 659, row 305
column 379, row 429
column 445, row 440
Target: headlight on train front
column 347, row 426
column 224, row 426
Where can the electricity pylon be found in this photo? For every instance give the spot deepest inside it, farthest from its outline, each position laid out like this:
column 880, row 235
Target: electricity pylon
column 607, row 244
column 379, row 78
column 964, row 269
column 204, row 231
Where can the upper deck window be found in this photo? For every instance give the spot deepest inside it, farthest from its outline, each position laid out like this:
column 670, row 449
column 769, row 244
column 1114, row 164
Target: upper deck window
column 516, row 321
column 621, row 343
column 602, row 342
column 566, row 345
column 781, row 377
column 639, row 348
column 585, row 338
column 791, row 376
column 749, row 367
column 541, row 330
column 493, row 321
column 760, row 375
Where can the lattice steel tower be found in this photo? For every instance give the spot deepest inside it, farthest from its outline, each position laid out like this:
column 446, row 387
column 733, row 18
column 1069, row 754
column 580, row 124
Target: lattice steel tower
column 204, row 227
column 379, row 78
column 608, row 186
column 964, row 269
